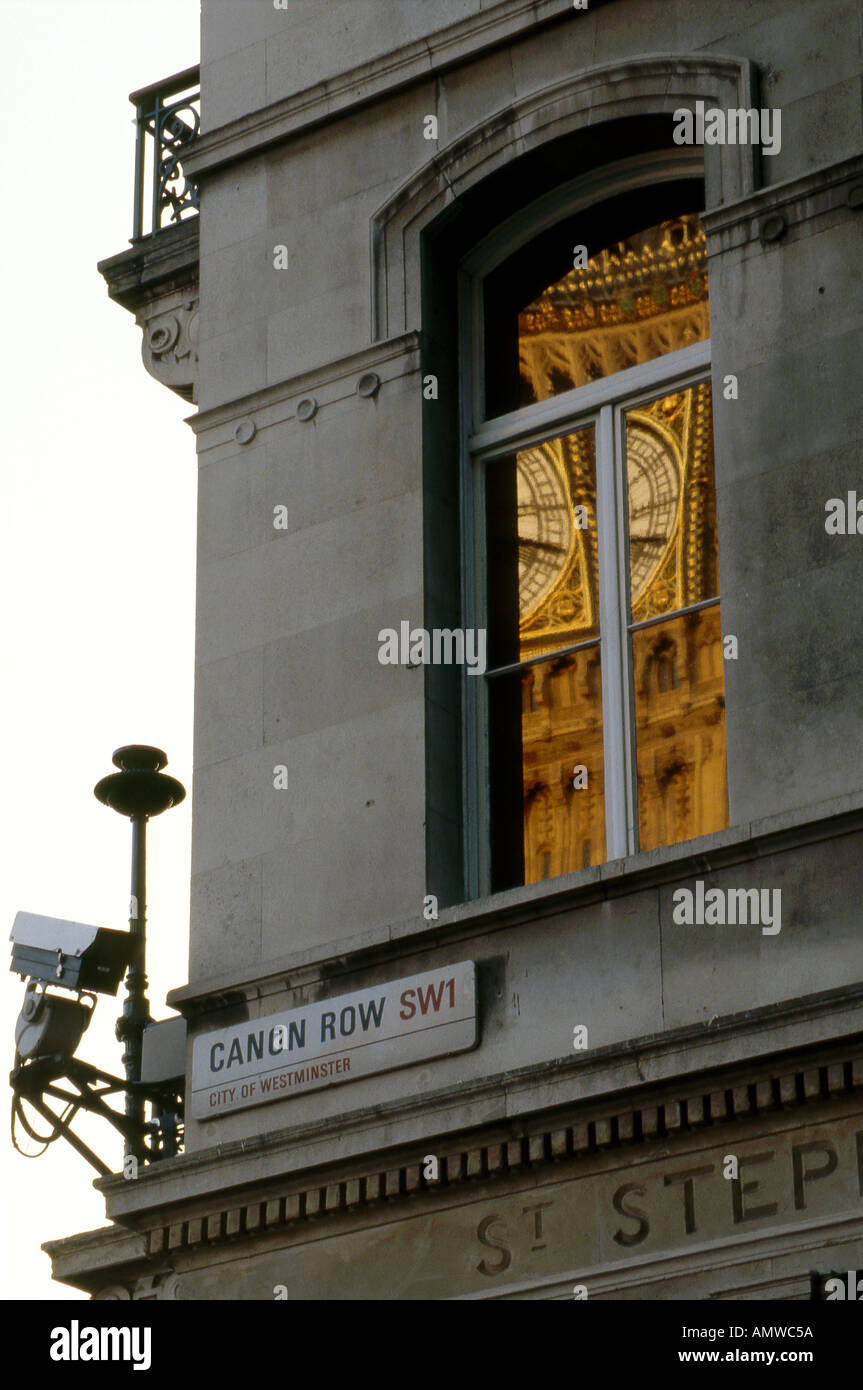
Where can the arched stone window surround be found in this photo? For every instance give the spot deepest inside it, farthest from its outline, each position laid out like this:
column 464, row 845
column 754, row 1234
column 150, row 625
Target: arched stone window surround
column 443, row 204
column 655, row 85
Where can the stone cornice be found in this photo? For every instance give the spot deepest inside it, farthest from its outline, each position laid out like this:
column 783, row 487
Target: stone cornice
column 566, row 1138
column 595, row 1084
column 770, row 213
column 675, row 863
column 823, row 1078
column 154, row 267
column 420, row 61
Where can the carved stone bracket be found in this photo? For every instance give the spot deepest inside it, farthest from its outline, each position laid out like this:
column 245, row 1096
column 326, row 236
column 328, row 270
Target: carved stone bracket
column 157, row 281
column 170, row 342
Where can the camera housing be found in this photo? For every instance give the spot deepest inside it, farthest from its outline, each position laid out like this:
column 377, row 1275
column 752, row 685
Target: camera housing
column 71, row 954
column 50, row 1023
column 163, row 1051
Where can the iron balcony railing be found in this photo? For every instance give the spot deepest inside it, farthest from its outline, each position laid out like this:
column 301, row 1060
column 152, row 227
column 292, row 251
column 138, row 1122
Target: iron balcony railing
column 167, row 119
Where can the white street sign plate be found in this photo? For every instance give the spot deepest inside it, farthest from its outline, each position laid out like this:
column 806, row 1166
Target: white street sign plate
column 334, row 1040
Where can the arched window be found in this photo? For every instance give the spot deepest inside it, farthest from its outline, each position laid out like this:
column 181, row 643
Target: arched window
column 590, row 543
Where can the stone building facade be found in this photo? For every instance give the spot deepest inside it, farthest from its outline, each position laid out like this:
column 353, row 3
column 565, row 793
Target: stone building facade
column 477, row 341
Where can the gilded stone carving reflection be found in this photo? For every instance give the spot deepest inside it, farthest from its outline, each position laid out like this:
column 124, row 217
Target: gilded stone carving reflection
column 680, row 729
column 636, row 300
column 564, row 826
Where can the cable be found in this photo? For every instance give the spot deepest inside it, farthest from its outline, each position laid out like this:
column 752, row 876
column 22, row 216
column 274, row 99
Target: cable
column 18, row 1110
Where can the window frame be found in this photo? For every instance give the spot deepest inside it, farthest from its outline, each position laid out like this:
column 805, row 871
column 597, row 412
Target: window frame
column 603, row 404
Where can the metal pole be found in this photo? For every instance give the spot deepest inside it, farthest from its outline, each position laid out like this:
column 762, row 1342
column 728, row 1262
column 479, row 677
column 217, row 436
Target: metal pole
column 139, row 790
column 136, row 1007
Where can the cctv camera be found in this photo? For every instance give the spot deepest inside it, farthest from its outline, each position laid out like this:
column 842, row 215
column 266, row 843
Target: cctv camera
column 70, row 953
column 50, row 1023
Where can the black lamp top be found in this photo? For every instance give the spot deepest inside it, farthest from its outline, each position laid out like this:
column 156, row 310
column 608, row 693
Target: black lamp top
column 139, row 757
column 140, row 788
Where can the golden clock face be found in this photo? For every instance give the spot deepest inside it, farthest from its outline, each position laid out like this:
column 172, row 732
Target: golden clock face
column 545, row 525
column 548, row 551
column 653, row 477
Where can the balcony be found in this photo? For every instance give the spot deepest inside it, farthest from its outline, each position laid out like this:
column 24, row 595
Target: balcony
column 157, row 278
column 167, row 120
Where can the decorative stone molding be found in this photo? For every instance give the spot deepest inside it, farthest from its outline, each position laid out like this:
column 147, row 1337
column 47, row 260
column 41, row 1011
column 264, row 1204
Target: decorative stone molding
column 368, row 385
column 245, row 431
column 396, row 69
column 771, row 215
column 155, row 266
column 658, row 85
column 788, row 832
column 302, row 397
column 571, row 1139
column 170, row 342
column 157, row 281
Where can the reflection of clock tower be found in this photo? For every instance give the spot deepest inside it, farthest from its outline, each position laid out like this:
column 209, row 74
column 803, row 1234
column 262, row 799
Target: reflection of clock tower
column 557, row 526
column 594, row 320
column 558, row 599
column 653, row 468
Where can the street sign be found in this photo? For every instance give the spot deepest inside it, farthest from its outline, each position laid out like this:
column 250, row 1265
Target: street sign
column 334, row 1040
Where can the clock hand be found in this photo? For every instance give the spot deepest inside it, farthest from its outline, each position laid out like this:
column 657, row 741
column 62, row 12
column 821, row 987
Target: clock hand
column 541, row 545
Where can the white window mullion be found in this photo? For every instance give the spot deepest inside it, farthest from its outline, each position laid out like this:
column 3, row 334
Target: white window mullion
column 533, row 423
column 615, row 694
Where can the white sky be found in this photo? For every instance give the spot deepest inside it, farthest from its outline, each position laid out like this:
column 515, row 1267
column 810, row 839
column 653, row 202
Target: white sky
column 98, row 545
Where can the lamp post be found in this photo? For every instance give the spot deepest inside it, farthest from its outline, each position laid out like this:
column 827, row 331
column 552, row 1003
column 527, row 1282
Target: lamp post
column 139, row 790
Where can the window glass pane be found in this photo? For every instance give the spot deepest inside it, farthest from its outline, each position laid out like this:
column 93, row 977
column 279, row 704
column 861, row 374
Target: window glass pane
column 633, row 301
column 547, row 783
column 542, row 591
column 673, row 555
column 680, row 729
